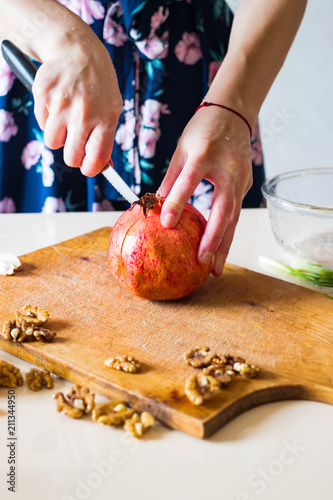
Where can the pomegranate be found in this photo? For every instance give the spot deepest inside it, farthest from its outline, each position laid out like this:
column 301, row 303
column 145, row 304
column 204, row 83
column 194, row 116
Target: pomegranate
column 153, row 262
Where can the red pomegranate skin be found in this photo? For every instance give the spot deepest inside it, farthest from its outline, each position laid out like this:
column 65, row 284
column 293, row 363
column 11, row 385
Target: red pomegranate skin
column 155, row 263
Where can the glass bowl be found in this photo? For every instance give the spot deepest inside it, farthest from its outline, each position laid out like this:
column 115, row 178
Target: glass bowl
column 300, row 207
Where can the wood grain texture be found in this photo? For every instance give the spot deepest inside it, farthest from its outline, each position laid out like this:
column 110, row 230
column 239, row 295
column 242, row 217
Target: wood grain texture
column 285, row 329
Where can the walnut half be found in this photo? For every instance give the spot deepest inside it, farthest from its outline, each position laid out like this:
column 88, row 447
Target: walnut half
column 137, row 425
column 199, row 357
column 249, row 371
column 119, row 413
column 198, row 387
column 112, row 413
column 10, row 376
column 219, row 373
column 36, row 379
column 126, row 364
column 79, row 401
column 28, row 325
column 32, row 315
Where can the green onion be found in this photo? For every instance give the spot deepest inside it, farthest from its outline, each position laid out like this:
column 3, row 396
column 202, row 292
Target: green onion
column 315, row 274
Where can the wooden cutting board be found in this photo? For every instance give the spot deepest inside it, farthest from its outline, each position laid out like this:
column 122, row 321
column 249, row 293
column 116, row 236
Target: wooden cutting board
column 285, row 329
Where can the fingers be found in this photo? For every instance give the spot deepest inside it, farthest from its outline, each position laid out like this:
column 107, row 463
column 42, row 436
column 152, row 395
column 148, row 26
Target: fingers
column 219, row 219
column 185, row 183
column 55, row 132
column 221, row 225
column 179, row 184
column 41, row 113
column 97, row 150
column 84, row 147
column 74, row 147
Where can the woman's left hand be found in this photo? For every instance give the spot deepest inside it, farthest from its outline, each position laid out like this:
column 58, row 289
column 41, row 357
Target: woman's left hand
column 215, row 145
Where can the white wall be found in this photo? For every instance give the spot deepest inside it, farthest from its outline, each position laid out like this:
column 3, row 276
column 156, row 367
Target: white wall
column 303, row 95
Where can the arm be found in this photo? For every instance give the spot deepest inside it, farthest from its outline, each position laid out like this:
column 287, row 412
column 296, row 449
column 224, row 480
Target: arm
column 215, row 144
column 77, row 99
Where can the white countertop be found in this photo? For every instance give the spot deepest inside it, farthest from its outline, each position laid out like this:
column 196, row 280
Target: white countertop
column 277, row 451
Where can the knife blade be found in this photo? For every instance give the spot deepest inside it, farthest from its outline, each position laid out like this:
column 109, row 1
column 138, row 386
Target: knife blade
column 25, row 70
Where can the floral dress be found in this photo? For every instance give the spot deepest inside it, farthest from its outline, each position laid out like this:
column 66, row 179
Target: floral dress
column 166, row 54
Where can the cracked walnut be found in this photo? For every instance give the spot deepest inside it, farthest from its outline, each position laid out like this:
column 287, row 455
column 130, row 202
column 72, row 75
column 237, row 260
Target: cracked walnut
column 10, row 376
column 78, row 401
column 112, row 413
column 28, row 325
column 198, row 387
column 37, row 379
column 199, row 357
column 220, row 369
column 126, row 364
column 137, row 425
column 119, row 413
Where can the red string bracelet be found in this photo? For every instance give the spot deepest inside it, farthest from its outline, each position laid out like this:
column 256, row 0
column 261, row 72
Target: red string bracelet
column 205, row 104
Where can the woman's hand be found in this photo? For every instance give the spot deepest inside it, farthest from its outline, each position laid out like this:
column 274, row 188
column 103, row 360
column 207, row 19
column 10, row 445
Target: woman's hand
column 77, row 100
column 215, row 145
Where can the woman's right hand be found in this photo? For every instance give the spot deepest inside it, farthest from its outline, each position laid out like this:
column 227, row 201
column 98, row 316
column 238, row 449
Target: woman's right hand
column 77, row 100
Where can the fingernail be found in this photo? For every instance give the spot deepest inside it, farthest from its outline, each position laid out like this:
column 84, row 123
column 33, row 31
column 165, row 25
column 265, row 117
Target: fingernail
column 206, row 257
column 168, row 221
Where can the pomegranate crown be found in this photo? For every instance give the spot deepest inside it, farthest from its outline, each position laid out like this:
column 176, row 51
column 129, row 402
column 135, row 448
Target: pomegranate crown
column 147, row 202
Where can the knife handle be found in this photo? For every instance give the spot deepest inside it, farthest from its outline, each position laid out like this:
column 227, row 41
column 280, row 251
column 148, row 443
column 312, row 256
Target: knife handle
column 20, row 64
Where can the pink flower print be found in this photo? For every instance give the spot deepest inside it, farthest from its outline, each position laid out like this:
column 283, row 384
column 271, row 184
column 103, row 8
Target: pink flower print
column 73, row 5
column 35, row 152
column 151, row 111
column 91, row 10
column 125, row 134
column 7, row 77
column 102, row 206
column 147, row 142
column 31, row 154
column 8, row 127
column 188, row 49
column 47, row 172
column 214, row 66
column 128, row 105
column 52, row 205
column 155, row 47
column 203, row 196
column 88, row 10
column 7, row 206
column 256, row 146
column 159, row 18
column 113, row 32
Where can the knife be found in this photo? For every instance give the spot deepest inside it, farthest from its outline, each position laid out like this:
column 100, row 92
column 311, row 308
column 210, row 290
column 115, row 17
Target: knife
column 25, row 70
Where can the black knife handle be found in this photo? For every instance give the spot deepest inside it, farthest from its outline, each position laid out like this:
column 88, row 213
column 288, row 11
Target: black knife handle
column 19, row 63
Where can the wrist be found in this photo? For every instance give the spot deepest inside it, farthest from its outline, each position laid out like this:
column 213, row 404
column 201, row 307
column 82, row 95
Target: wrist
column 232, row 87
column 61, row 37
column 206, row 104
column 47, row 28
